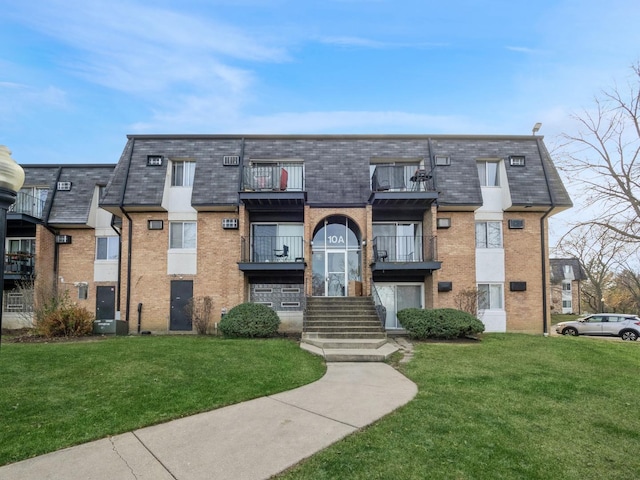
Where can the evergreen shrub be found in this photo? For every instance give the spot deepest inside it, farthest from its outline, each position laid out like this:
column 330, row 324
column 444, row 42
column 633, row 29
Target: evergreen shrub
column 442, row 323
column 249, row 320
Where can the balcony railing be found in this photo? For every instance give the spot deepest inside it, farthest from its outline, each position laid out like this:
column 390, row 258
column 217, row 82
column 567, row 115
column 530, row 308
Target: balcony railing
column 285, row 177
column 268, row 249
column 28, row 204
column 401, row 178
column 18, row 263
column 404, row 249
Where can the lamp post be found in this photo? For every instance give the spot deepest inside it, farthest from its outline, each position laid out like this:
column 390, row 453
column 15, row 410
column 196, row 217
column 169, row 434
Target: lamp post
column 11, row 180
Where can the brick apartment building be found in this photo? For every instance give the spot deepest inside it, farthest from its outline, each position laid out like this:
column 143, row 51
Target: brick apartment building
column 411, row 220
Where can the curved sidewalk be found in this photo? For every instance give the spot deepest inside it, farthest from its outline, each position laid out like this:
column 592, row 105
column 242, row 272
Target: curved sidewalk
column 249, row 440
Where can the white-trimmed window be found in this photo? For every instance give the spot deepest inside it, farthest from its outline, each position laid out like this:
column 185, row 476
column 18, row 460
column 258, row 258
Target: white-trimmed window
column 566, row 286
column 182, row 235
column 489, row 173
column 107, row 248
column 182, row 174
column 567, row 304
column 488, row 234
column 490, row 296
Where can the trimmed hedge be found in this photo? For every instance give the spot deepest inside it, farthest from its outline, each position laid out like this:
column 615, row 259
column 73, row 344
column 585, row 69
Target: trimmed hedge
column 443, row 323
column 250, row 320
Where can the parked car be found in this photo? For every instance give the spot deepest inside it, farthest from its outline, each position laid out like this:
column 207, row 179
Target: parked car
column 620, row 325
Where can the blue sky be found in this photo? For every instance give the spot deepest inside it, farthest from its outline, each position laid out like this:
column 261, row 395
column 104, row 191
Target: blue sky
column 76, row 76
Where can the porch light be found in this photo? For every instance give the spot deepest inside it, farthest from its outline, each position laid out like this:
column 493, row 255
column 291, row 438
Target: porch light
column 11, row 181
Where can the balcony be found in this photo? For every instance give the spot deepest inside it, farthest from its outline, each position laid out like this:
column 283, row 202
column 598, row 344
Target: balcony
column 407, row 186
column 403, row 257
column 27, row 204
column 18, row 265
column 272, row 254
column 273, row 187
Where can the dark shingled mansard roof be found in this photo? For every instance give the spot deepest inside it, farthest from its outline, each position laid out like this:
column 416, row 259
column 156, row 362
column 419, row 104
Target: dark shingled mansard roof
column 336, row 167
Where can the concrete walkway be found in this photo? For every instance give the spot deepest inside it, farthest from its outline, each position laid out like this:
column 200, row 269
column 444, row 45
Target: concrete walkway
column 250, row 440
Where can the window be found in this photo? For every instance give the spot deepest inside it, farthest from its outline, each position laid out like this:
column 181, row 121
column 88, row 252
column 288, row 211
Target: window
column 83, row 291
column 566, row 286
column 488, row 235
column 489, row 296
column 182, row 235
column 489, row 174
column 107, row 248
column 567, row 304
column 402, row 241
column 182, row 174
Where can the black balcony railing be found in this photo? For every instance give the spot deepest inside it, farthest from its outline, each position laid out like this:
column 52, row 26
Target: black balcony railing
column 268, row 249
column 18, row 263
column 28, row 204
column 404, row 249
column 401, row 178
column 285, row 177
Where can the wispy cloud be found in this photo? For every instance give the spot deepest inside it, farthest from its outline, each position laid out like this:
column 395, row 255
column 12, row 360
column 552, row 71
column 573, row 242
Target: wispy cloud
column 217, row 115
column 527, row 50
column 144, row 50
column 17, row 99
column 361, row 42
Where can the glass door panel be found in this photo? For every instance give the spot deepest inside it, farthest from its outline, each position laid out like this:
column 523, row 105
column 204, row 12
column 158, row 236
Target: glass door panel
column 408, row 296
column 336, row 274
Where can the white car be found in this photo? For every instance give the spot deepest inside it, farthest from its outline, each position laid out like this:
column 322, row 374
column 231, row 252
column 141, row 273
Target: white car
column 620, row 325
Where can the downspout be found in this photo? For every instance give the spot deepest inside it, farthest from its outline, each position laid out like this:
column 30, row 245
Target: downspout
column 129, row 232
column 543, row 243
column 56, row 247
column 119, row 281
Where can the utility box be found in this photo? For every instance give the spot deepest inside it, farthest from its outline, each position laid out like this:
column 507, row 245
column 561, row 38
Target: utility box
column 110, row 327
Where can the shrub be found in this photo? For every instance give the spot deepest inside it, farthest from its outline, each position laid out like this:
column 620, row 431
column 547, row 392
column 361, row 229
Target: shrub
column 250, row 320
column 61, row 318
column 439, row 323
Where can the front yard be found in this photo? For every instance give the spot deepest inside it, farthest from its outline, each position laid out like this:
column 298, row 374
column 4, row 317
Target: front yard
column 508, row 407
column 53, row 395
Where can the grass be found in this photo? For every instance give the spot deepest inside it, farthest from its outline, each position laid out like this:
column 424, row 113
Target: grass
column 508, row 407
column 61, row 394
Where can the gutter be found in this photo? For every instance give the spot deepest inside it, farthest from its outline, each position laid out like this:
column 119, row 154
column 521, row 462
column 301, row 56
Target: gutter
column 129, row 233
column 543, row 245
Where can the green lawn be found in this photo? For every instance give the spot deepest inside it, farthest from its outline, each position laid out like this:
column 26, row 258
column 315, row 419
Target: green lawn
column 508, row 407
column 59, row 394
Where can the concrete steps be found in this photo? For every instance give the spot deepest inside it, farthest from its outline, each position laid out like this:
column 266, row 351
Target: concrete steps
column 345, row 329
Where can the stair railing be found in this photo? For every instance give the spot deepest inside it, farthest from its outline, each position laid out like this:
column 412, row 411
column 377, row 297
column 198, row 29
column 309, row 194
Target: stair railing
column 381, row 310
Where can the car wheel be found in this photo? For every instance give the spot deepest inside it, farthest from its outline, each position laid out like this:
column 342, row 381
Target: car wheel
column 629, row 335
column 570, row 331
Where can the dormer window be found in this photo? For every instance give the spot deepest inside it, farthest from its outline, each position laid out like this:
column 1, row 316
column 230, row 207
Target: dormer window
column 489, row 173
column 182, row 173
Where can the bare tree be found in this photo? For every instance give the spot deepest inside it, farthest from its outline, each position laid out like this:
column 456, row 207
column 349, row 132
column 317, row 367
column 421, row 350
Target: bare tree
column 603, row 157
column 599, row 254
column 467, row 300
column 201, row 311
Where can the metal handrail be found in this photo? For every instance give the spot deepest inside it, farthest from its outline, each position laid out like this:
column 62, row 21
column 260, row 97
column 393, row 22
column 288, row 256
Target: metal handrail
column 269, row 249
column 19, row 263
column 284, row 177
column 28, row 204
column 381, row 310
column 404, row 249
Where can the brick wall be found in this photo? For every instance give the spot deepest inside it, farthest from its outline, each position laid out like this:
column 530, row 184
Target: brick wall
column 45, row 281
column 523, row 263
column 456, row 251
column 75, row 264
